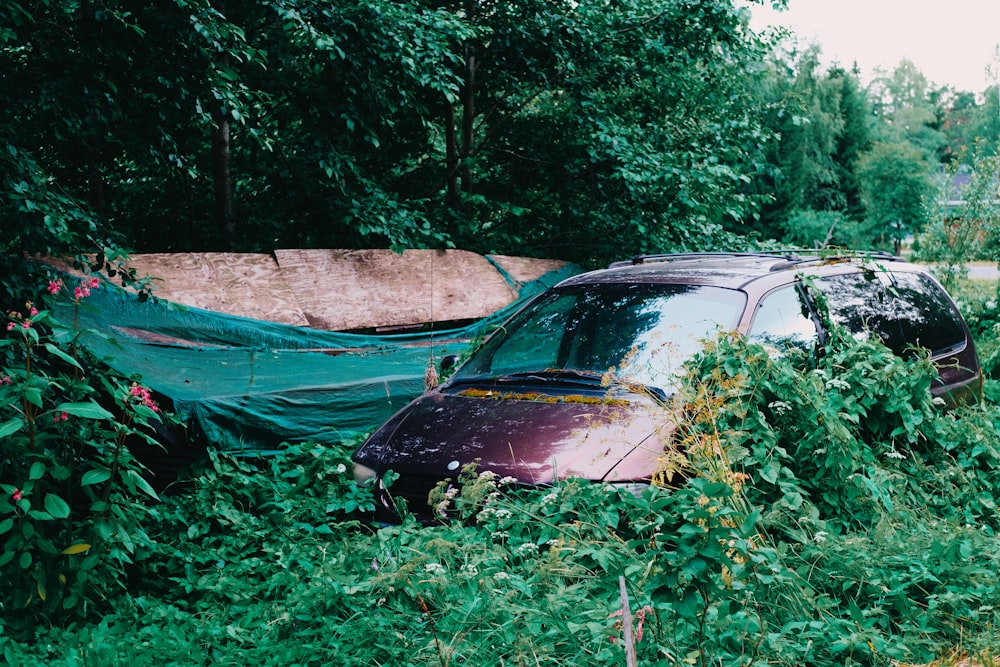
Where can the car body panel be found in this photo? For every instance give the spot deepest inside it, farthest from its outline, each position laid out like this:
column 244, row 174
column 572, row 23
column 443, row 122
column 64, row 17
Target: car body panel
column 533, row 436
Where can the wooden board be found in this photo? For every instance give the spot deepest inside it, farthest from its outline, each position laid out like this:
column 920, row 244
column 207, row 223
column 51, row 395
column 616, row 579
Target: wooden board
column 526, row 269
column 243, row 284
column 339, row 290
column 376, row 288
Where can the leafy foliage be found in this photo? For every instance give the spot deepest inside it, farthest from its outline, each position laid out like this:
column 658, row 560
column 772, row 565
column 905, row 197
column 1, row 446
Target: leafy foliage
column 73, row 498
column 552, row 128
column 833, row 514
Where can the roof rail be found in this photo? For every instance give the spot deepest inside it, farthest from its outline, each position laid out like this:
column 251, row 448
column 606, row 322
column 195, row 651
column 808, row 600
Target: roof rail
column 792, row 256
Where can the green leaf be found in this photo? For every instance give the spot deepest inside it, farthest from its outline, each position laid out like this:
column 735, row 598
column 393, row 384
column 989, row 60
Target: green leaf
column 11, row 427
column 6, row 525
column 56, row 506
column 95, row 476
column 88, row 410
column 37, row 470
column 62, row 355
column 136, row 479
column 33, row 395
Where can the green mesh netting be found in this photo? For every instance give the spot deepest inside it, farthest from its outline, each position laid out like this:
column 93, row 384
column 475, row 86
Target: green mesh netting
column 249, row 385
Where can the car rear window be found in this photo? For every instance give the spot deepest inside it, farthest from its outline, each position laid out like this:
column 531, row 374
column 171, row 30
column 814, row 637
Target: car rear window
column 912, row 311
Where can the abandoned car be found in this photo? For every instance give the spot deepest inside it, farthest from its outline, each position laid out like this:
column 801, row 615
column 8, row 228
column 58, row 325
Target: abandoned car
column 575, row 384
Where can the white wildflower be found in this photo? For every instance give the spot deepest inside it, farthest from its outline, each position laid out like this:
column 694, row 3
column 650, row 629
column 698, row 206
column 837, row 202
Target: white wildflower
column 837, row 383
column 341, row 469
column 779, row 407
column 434, row 568
column 894, row 454
column 939, row 401
column 820, row 536
column 549, row 498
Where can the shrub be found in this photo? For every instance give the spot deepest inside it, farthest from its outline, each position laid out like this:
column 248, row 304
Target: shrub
column 73, row 499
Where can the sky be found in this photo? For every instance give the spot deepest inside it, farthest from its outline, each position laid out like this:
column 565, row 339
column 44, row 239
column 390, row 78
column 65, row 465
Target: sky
column 950, row 41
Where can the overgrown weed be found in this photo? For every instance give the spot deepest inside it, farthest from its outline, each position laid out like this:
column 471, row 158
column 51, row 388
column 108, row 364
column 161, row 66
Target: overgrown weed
column 833, row 514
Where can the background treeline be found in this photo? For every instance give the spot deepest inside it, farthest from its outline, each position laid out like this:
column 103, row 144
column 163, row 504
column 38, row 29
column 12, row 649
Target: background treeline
column 583, row 131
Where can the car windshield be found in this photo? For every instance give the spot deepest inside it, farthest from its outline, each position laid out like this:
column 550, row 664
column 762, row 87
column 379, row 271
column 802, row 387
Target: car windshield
column 641, row 332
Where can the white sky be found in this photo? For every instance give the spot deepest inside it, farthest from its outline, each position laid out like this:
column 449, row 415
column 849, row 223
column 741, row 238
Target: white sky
column 950, row 41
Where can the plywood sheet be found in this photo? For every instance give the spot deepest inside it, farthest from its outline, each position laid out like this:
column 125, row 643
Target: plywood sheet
column 337, row 290
column 526, row 269
column 377, row 288
column 243, row 284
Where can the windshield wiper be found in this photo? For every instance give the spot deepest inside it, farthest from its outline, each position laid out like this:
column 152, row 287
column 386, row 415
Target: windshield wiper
column 588, row 378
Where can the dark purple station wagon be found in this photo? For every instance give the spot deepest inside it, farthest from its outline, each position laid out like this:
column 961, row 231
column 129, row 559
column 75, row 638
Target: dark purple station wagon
column 577, row 382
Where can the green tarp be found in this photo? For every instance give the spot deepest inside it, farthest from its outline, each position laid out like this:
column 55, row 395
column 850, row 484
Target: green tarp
column 250, row 385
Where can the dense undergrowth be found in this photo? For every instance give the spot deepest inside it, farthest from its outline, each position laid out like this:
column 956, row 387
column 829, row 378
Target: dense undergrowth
column 833, row 513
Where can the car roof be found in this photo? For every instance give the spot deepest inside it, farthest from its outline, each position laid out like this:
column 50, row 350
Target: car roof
column 734, row 270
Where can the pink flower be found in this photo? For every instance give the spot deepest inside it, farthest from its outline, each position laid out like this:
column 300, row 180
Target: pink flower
column 94, row 283
column 33, row 311
column 6, row 380
column 641, row 617
column 10, row 326
column 16, row 495
column 62, row 416
column 55, row 286
column 26, row 324
column 144, row 397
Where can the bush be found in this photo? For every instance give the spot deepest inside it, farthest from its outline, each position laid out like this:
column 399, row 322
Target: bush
column 73, row 499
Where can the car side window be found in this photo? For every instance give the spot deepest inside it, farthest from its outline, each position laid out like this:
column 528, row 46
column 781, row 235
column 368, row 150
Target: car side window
column 782, row 321
column 910, row 311
column 927, row 317
column 860, row 303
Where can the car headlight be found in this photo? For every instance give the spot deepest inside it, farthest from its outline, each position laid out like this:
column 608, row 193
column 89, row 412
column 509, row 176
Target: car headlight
column 363, row 474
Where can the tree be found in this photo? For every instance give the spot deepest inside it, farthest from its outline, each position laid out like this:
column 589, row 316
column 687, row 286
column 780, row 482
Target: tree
column 558, row 128
column 822, row 124
column 895, row 184
column 910, row 109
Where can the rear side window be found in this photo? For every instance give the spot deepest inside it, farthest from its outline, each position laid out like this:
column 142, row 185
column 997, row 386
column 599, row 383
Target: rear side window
column 911, row 311
column 927, row 317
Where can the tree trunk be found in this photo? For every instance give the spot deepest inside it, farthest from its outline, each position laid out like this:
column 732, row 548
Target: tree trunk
column 468, row 103
column 222, row 179
column 451, row 159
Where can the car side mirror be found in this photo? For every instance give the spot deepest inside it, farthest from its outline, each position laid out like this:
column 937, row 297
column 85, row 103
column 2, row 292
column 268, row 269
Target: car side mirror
column 448, row 361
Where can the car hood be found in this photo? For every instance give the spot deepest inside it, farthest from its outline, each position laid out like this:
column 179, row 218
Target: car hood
column 532, row 437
